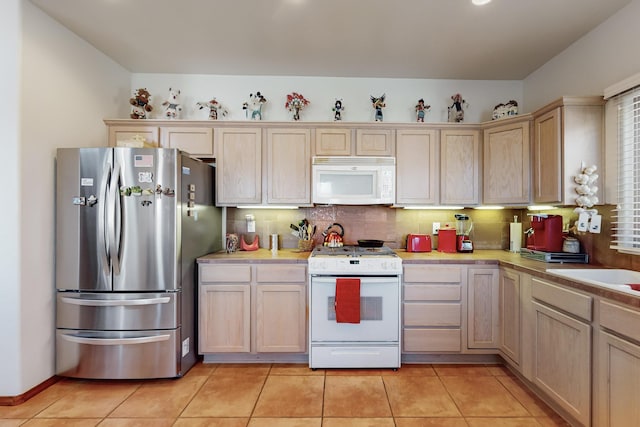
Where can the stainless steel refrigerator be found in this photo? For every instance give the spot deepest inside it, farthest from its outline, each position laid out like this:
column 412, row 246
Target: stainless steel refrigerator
column 129, row 225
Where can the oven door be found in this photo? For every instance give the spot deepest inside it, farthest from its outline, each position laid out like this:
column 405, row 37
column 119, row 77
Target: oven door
column 379, row 311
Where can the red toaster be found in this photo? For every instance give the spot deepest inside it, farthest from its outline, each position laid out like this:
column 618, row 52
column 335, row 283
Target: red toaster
column 418, row 243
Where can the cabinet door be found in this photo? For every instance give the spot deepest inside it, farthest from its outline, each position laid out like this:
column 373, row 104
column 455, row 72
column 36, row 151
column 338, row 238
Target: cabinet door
column 196, row 141
column 506, row 164
column 459, row 167
column 510, row 315
column 281, row 318
column 225, row 319
column 562, row 360
column 239, row 166
column 417, row 167
column 618, row 382
column 547, row 157
column 483, row 315
column 122, row 134
column 289, row 166
column 333, row 142
column 374, row 142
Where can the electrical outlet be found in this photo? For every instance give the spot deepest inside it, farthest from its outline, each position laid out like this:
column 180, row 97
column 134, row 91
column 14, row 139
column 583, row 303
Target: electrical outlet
column 436, row 228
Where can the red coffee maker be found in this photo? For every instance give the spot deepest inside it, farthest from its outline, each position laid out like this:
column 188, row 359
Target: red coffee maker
column 545, row 233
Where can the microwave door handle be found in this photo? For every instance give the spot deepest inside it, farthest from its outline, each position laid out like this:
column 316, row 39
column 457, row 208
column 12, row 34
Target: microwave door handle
column 113, row 222
column 103, row 209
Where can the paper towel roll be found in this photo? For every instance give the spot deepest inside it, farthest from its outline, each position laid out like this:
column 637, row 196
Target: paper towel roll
column 515, row 236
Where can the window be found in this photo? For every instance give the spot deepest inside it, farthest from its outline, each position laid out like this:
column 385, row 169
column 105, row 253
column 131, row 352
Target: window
column 626, row 221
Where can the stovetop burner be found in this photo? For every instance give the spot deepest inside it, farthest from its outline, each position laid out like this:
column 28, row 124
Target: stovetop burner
column 353, row 251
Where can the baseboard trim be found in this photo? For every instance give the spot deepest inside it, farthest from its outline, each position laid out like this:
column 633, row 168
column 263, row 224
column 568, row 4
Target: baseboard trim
column 21, row 398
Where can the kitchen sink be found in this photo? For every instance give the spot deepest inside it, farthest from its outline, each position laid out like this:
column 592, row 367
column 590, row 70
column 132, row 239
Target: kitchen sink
column 627, row 281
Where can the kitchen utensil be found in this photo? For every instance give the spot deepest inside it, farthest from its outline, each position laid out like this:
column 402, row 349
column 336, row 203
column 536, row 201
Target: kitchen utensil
column 418, row 243
column 369, row 243
column 463, row 232
column 332, row 237
column 545, row 233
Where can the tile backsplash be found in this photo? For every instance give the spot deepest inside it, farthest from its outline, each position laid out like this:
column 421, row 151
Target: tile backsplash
column 490, row 227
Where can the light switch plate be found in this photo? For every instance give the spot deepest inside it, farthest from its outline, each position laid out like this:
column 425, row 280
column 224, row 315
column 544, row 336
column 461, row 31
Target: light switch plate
column 436, row 228
column 583, row 222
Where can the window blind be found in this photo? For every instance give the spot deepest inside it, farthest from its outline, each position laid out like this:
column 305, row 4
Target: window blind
column 626, row 218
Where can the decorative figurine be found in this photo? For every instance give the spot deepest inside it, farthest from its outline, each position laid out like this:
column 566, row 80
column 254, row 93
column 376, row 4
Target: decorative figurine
column 295, row 103
column 140, row 104
column 254, row 104
column 378, row 104
column 505, row 110
column 214, row 107
column 421, row 110
column 171, row 106
column 456, row 110
column 338, row 108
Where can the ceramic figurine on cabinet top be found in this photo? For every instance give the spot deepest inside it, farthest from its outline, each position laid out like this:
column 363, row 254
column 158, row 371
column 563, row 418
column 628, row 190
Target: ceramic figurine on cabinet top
column 378, row 104
column 456, row 110
column 421, row 110
column 214, row 107
column 295, row 103
column 337, row 109
column 171, row 106
column 254, row 106
column 505, row 110
column 140, row 104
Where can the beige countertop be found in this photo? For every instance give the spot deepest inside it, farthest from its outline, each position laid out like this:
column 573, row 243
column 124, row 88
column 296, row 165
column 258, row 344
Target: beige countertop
column 488, row 257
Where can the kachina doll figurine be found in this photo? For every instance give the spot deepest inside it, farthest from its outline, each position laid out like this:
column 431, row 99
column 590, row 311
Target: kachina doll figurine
column 337, row 109
column 378, row 104
column 295, row 103
column 171, row 106
column 255, row 105
column 421, row 110
column 456, row 110
column 214, row 107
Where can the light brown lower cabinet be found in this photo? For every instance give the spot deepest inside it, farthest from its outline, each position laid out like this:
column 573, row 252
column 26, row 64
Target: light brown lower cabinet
column 260, row 308
column 510, row 323
column 618, row 367
column 483, row 327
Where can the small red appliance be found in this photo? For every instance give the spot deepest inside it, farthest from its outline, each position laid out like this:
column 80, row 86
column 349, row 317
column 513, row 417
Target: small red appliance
column 447, row 240
column 545, row 233
column 418, row 243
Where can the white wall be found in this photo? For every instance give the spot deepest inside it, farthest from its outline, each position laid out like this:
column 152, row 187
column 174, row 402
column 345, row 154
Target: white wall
column 10, row 365
column 401, row 95
column 604, row 56
column 66, row 89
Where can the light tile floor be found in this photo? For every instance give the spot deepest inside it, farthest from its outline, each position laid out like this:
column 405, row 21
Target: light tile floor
column 265, row 395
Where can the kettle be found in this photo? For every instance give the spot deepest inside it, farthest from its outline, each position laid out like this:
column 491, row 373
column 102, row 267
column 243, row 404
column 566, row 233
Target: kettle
column 333, row 238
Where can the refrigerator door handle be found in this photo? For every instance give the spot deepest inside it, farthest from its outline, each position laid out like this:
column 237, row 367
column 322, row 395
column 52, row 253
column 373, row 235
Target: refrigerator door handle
column 115, row 341
column 113, row 222
column 115, row 303
column 103, row 212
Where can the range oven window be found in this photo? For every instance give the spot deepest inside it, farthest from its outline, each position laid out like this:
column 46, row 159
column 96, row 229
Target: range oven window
column 370, row 309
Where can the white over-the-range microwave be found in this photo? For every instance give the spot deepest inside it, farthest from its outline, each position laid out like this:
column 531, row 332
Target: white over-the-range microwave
column 350, row 180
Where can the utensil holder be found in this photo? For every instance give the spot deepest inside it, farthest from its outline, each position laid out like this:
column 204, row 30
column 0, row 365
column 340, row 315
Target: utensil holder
column 305, row 245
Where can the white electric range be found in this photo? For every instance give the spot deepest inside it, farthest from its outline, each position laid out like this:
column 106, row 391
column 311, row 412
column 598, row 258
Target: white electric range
column 375, row 341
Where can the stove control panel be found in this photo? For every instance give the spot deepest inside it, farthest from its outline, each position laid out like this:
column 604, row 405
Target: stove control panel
column 363, row 266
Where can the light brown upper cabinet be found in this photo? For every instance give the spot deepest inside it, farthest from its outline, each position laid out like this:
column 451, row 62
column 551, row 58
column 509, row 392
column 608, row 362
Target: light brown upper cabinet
column 566, row 132
column 506, row 161
column 459, row 167
column 197, row 141
column 374, row 142
column 289, row 166
column 417, row 164
column 238, row 166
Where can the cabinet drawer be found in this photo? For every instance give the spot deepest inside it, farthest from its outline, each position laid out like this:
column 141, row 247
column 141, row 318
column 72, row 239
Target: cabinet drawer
column 432, row 292
column 281, row 273
column 567, row 300
column 432, row 314
column 620, row 319
column 225, row 273
column 431, row 340
column 432, row 274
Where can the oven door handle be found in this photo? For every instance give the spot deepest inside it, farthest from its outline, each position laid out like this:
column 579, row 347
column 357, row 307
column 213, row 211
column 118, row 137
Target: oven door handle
column 364, row 280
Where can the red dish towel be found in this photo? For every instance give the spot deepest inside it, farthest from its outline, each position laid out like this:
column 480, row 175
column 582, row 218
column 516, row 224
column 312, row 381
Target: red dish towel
column 347, row 302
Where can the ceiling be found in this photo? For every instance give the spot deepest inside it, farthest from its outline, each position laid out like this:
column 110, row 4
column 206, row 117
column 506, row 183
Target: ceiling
column 435, row 39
